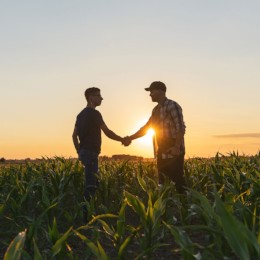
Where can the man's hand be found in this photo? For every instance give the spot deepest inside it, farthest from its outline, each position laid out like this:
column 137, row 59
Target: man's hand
column 126, row 141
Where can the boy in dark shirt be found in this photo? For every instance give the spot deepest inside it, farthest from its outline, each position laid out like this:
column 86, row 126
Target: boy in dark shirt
column 87, row 139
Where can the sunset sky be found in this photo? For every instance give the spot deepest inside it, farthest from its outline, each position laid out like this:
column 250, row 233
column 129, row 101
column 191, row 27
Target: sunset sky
column 206, row 52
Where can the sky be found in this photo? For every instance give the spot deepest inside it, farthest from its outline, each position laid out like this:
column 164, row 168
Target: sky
column 206, row 52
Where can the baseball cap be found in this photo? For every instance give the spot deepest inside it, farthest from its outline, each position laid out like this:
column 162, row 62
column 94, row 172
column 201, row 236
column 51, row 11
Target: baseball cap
column 157, row 85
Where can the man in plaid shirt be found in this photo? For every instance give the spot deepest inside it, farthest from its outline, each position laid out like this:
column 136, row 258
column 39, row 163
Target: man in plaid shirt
column 167, row 122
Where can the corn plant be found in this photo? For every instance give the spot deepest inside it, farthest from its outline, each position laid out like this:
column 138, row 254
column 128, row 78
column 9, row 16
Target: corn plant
column 150, row 220
column 130, row 217
column 14, row 251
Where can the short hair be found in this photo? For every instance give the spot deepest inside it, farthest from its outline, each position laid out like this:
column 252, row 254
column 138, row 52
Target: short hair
column 91, row 91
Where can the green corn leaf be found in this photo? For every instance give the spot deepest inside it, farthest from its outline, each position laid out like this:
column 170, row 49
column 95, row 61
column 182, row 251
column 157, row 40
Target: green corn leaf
column 60, row 243
column 234, row 231
column 45, row 196
column 183, row 240
column 136, row 204
column 2, row 207
column 141, row 182
column 14, row 250
column 53, row 231
column 102, row 254
column 149, row 211
column 120, row 224
column 37, row 254
column 124, row 246
column 106, row 227
column 35, row 225
column 127, row 241
column 94, row 249
column 204, row 202
column 108, row 215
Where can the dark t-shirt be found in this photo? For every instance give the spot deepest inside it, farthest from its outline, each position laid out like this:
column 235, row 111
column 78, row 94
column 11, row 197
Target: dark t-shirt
column 88, row 125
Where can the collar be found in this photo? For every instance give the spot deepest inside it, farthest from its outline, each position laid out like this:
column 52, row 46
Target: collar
column 164, row 102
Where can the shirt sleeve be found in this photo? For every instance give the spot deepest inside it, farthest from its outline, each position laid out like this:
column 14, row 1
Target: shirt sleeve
column 100, row 119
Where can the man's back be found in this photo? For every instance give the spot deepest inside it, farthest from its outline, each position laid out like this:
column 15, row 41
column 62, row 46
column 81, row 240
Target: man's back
column 88, row 125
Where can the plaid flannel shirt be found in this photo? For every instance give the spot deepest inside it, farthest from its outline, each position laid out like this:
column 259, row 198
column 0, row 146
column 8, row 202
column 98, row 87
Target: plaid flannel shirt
column 167, row 121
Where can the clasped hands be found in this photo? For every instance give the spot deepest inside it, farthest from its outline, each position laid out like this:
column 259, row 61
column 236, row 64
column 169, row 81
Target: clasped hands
column 126, row 141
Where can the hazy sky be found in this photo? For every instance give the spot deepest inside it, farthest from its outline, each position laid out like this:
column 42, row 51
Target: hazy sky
column 206, row 52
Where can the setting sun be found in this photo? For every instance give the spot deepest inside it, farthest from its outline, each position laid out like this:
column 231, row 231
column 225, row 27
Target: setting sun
column 147, row 140
column 150, row 133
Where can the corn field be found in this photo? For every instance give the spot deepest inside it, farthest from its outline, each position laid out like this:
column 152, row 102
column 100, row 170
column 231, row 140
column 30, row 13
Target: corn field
column 130, row 216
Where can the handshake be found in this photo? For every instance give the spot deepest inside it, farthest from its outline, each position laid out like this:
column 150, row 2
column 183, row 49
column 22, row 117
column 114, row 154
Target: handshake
column 126, row 141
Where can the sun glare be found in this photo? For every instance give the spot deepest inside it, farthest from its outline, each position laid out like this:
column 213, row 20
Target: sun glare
column 147, row 140
column 150, row 132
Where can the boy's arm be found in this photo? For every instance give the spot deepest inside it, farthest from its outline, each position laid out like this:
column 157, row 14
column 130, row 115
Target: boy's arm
column 75, row 139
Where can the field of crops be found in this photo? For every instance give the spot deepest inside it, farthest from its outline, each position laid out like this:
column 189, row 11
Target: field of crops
column 130, row 217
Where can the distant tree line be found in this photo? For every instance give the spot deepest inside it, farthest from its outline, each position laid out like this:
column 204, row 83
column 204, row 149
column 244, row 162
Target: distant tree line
column 126, row 157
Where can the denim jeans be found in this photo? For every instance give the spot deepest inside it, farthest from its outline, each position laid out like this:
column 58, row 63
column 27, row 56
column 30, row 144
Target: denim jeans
column 90, row 161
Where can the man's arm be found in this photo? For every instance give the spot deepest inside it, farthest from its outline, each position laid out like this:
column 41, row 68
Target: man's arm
column 141, row 132
column 75, row 139
column 110, row 134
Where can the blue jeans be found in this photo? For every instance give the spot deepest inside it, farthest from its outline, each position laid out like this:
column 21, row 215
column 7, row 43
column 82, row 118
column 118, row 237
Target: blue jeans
column 90, row 161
